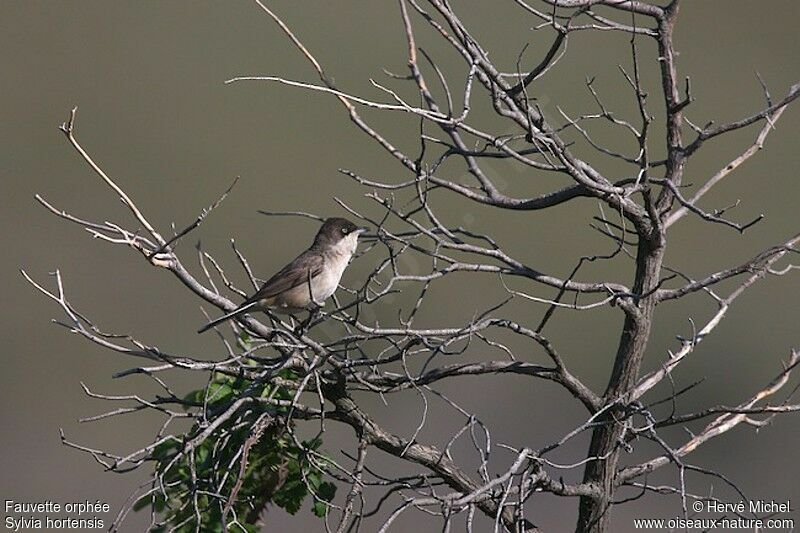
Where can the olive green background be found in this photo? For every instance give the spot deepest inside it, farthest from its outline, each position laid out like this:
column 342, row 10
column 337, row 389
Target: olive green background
column 154, row 112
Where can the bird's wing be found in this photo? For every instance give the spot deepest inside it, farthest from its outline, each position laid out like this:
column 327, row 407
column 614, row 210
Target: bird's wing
column 306, row 266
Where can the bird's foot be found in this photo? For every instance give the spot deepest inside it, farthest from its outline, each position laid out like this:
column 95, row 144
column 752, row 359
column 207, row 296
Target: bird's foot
column 305, row 324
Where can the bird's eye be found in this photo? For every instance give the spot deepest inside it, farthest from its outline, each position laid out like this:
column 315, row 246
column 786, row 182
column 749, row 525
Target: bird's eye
column 345, row 230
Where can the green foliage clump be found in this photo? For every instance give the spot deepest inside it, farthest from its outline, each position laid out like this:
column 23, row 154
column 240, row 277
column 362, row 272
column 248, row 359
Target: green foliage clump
column 199, row 482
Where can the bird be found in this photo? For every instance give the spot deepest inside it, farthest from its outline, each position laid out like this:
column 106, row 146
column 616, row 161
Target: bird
column 310, row 279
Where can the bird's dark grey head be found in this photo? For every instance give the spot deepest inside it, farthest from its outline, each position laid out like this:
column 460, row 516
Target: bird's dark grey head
column 336, row 229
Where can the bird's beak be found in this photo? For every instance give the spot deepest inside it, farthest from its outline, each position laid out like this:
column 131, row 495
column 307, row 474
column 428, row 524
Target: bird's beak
column 362, row 230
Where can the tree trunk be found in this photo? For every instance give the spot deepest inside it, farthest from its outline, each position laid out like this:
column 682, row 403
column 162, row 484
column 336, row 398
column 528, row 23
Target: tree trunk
column 593, row 514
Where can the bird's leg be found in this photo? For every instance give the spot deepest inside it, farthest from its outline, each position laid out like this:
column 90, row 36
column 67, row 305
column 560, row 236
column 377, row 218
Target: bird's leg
column 312, row 314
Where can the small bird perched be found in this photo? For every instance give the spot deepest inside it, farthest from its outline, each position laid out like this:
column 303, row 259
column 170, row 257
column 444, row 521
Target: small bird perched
column 310, row 279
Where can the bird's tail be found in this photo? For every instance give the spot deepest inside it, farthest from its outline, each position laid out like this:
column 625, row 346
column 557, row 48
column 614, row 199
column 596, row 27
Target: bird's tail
column 236, row 312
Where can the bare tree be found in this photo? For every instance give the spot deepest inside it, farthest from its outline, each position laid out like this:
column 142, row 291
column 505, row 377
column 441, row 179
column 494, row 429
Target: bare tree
column 242, row 450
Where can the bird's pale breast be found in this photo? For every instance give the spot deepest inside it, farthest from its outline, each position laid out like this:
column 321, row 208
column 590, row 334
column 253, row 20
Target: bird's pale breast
column 321, row 286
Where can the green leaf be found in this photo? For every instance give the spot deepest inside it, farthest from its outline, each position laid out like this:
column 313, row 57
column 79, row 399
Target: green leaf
column 326, row 491
column 319, row 509
column 141, row 503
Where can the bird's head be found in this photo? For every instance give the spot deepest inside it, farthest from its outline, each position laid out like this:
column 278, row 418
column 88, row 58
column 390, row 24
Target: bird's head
column 339, row 234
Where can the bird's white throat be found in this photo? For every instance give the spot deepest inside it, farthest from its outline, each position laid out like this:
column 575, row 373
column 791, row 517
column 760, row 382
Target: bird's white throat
column 346, row 246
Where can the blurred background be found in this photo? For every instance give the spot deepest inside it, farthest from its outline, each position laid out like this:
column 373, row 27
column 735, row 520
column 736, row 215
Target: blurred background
column 155, row 114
